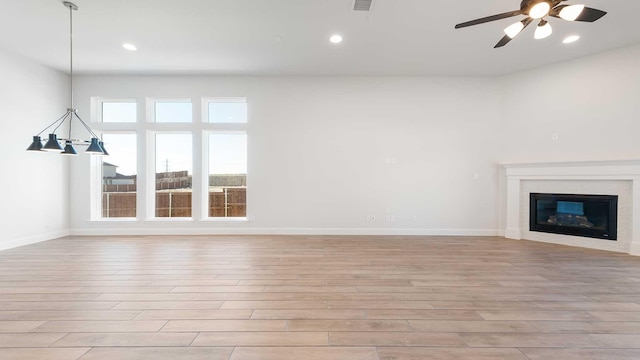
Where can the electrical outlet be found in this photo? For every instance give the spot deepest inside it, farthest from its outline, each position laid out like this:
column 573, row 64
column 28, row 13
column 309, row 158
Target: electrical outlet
column 555, row 136
column 371, row 217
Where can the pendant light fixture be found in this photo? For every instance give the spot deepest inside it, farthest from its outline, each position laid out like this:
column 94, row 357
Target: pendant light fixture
column 95, row 146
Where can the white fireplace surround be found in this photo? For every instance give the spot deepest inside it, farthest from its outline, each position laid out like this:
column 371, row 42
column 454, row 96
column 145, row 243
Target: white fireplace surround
column 617, row 177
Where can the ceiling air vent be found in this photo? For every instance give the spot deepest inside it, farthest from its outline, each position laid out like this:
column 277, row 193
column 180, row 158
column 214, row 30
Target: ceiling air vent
column 362, row 5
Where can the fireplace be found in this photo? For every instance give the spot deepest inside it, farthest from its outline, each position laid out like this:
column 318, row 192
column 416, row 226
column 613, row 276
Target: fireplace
column 594, row 216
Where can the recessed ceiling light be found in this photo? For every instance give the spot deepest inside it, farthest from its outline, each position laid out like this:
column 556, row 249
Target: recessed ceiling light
column 571, row 39
column 129, row 47
column 336, row 39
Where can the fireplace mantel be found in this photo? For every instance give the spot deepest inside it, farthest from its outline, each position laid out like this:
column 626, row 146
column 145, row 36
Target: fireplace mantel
column 615, row 170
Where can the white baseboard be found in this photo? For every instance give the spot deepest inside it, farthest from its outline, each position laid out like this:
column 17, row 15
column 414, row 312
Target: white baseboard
column 13, row 243
column 635, row 249
column 284, row 231
column 512, row 233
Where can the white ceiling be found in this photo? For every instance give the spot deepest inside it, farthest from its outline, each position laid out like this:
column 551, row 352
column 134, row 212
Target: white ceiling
column 398, row 37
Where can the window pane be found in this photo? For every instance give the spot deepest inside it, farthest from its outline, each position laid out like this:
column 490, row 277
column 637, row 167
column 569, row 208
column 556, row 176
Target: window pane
column 119, row 112
column 173, row 112
column 229, row 112
column 119, row 180
column 173, row 175
column 227, row 175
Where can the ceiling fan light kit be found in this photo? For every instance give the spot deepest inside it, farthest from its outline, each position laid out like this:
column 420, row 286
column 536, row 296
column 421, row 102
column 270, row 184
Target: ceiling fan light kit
column 544, row 30
column 542, row 10
column 571, row 12
column 514, row 29
column 539, row 10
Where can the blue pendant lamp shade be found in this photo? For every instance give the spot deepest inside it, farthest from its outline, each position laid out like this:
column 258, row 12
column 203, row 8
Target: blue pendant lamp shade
column 69, row 149
column 104, row 150
column 53, row 143
column 36, row 145
column 95, row 148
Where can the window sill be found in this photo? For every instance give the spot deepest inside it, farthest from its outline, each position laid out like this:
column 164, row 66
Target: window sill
column 116, row 219
column 177, row 219
column 225, row 219
column 172, row 219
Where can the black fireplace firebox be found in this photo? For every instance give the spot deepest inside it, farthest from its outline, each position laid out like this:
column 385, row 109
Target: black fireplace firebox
column 594, row 216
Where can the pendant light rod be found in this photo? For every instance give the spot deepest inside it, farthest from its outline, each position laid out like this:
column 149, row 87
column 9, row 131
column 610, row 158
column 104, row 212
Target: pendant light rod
column 61, row 119
column 71, row 7
column 85, row 124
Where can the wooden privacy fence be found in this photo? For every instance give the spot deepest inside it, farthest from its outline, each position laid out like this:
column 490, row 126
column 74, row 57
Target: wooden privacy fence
column 118, row 205
column 231, row 202
column 119, row 188
column 173, row 204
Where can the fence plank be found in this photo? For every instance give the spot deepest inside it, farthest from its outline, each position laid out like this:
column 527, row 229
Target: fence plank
column 123, row 204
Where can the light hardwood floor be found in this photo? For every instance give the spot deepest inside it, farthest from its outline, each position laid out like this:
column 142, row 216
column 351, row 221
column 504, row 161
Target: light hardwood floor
column 310, row 298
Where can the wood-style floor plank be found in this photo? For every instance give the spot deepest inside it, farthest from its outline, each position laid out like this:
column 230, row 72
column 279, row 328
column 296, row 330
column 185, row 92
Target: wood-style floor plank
column 43, row 353
column 158, row 353
column 316, row 298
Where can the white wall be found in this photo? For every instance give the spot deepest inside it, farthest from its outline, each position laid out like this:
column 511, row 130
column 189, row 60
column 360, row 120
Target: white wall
column 35, row 198
column 324, row 142
column 592, row 103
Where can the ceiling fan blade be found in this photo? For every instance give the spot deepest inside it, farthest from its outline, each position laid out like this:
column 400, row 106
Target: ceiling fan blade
column 506, row 39
column 490, row 18
column 591, row 15
column 587, row 15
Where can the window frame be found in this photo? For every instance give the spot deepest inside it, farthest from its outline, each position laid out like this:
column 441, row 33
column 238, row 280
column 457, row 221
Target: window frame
column 145, row 129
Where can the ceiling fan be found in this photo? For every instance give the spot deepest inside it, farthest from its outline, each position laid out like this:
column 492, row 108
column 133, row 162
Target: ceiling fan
column 538, row 10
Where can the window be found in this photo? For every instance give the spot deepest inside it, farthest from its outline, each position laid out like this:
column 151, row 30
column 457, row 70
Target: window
column 119, row 111
column 177, row 148
column 227, row 175
column 173, row 112
column 173, row 175
column 119, row 179
column 227, row 111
